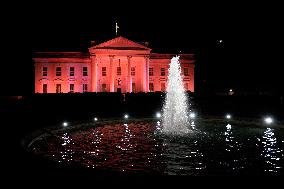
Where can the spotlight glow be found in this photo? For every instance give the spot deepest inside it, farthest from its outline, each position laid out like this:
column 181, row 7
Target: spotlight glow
column 65, row 124
column 95, row 119
column 126, row 116
column 228, row 116
column 192, row 115
column 268, row 120
column 158, row 115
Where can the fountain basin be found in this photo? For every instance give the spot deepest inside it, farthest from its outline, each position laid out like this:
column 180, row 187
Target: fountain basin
column 213, row 147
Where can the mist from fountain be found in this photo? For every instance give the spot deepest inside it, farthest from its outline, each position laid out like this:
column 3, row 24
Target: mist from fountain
column 175, row 108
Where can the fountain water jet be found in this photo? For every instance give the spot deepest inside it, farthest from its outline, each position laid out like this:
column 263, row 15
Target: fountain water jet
column 175, row 109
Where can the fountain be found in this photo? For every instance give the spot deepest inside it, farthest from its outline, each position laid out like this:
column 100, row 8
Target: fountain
column 175, row 110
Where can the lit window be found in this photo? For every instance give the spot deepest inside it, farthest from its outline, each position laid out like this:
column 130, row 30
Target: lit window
column 186, row 71
column 163, row 87
column 85, row 87
column 151, row 87
column 58, row 88
column 44, row 71
column 71, row 88
column 151, row 71
column 44, row 88
column 85, row 71
column 133, row 87
column 104, row 71
column 118, row 70
column 72, row 71
column 58, row 71
column 132, row 71
column 186, row 86
column 163, row 71
column 104, row 87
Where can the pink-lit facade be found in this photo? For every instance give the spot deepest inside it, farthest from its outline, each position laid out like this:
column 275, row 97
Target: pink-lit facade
column 118, row 65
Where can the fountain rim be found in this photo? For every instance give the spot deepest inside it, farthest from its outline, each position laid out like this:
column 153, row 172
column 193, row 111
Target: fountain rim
column 28, row 140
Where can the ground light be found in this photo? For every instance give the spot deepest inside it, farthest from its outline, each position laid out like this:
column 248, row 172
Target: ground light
column 126, row 116
column 158, row 115
column 192, row 115
column 228, row 116
column 95, row 119
column 268, row 120
column 65, row 124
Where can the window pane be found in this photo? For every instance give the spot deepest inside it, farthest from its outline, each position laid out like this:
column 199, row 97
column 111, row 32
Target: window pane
column 58, row 71
column 151, row 71
column 44, row 71
column 132, row 71
column 58, row 88
column 85, row 71
column 163, row 71
column 163, row 87
column 44, row 88
column 103, row 71
column 71, row 88
column 72, row 71
column 118, row 71
column 85, row 87
column 186, row 71
column 151, row 87
column 133, row 87
column 104, row 88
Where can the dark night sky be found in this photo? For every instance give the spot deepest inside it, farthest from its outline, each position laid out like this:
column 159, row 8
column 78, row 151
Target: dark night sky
column 249, row 58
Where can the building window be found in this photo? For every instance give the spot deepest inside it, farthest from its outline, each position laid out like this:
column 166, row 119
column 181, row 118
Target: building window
column 58, row 88
column 151, row 71
column 85, row 71
column 44, row 88
column 133, row 87
column 104, row 71
column 151, row 87
column 104, row 87
column 163, row 71
column 44, row 71
column 85, row 87
column 186, row 86
column 72, row 71
column 71, row 88
column 132, row 71
column 186, row 71
column 58, row 71
column 118, row 71
column 163, row 87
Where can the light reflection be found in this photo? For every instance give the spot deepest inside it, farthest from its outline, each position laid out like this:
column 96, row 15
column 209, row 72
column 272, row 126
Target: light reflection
column 271, row 153
column 96, row 142
column 126, row 144
column 192, row 124
column 67, row 153
column 229, row 138
column 158, row 126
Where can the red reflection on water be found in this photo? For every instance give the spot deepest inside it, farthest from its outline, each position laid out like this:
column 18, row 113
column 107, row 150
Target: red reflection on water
column 123, row 147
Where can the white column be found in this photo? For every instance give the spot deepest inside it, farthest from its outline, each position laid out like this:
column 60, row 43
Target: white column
column 147, row 73
column 111, row 74
column 129, row 78
column 94, row 65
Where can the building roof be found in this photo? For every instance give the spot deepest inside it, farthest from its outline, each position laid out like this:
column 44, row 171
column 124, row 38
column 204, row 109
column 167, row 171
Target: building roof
column 120, row 43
